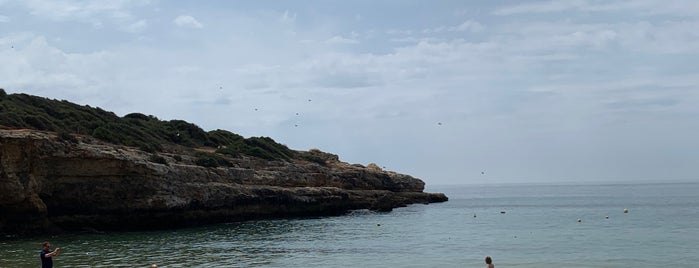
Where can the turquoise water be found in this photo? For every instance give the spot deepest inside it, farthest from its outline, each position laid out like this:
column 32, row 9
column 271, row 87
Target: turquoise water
column 539, row 228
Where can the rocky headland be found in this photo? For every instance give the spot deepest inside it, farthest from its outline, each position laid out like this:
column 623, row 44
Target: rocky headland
column 51, row 182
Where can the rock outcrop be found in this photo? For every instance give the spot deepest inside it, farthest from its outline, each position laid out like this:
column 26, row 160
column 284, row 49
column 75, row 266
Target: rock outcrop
column 50, row 183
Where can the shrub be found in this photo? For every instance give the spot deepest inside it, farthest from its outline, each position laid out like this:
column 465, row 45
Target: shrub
column 135, row 129
column 269, row 148
column 138, row 116
column 311, row 157
column 210, row 160
column 35, row 122
column 222, row 137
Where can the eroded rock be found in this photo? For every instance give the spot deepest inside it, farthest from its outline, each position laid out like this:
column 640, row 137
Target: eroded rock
column 48, row 184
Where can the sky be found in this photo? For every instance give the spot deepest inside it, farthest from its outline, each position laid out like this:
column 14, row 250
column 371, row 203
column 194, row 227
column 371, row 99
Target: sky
column 451, row 92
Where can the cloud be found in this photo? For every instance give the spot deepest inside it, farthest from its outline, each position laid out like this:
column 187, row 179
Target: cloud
column 4, row 18
column 594, row 39
column 666, row 37
column 288, row 17
column 541, row 7
column 641, row 7
column 468, row 26
column 338, row 39
column 73, row 9
column 187, row 21
column 43, row 69
column 98, row 14
column 136, row 27
column 399, row 32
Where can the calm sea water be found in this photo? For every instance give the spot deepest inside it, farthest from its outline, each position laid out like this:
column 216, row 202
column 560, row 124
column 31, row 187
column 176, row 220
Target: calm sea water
column 539, row 229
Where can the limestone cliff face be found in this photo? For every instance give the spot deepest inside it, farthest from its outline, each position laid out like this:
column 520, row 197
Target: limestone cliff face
column 48, row 184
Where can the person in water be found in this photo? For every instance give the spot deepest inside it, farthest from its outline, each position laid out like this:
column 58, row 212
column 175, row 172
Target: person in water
column 489, row 262
column 47, row 255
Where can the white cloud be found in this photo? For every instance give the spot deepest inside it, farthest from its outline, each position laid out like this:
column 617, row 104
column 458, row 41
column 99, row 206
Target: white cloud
column 288, row 17
column 399, row 32
column 4, row 18
column 187, row 21
column 136, row 27
column 466, row 26
column 338, row 39
column 644, row 7
column 541, row 7
column 594, row 39
column 656, row 37
column 185, row 69
column 98, row 14
column 469, row 25
column 41, row 68
column 74, row 9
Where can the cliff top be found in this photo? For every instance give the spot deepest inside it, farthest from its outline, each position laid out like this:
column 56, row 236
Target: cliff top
column 146, row 132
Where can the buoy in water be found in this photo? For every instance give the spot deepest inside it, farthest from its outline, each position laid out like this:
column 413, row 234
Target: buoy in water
column 606, row 217
column 579, row 220
column 626, row 210
column 378, row 224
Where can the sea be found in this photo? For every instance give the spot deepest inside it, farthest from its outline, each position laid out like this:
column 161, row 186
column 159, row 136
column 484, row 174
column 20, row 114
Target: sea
column 518, row 225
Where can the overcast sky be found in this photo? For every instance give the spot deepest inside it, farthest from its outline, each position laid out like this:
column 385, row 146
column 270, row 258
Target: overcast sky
column 524, row 91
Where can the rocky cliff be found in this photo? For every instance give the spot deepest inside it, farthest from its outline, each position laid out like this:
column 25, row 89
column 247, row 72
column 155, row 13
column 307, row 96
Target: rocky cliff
column 52, row 183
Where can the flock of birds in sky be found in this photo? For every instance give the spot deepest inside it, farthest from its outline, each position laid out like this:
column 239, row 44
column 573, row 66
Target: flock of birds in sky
column 256, row 109
column 297, row 114
column 310, row 100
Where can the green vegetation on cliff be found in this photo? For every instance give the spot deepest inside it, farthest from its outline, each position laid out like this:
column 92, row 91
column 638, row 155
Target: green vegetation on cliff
column 144, row 131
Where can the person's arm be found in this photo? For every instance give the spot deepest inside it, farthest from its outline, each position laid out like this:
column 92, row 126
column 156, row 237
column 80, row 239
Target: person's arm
column 53, row 253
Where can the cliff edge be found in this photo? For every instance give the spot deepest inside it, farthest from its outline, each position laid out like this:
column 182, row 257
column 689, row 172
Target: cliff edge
column 52, row 182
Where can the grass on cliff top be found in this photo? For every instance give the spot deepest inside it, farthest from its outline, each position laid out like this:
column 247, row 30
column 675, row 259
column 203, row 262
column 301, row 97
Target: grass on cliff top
column 144, row 131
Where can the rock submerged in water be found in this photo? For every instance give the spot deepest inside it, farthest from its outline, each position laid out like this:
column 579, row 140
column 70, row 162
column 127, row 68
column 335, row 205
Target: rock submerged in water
column 50, row 184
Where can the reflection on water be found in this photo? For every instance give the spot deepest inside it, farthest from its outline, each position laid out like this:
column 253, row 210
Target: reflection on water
column 268, row 243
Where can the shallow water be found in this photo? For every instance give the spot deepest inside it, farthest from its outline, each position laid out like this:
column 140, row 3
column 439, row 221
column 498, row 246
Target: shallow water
column 539, row 228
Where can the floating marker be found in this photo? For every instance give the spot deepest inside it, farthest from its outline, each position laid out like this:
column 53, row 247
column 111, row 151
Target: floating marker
column 626, row 210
